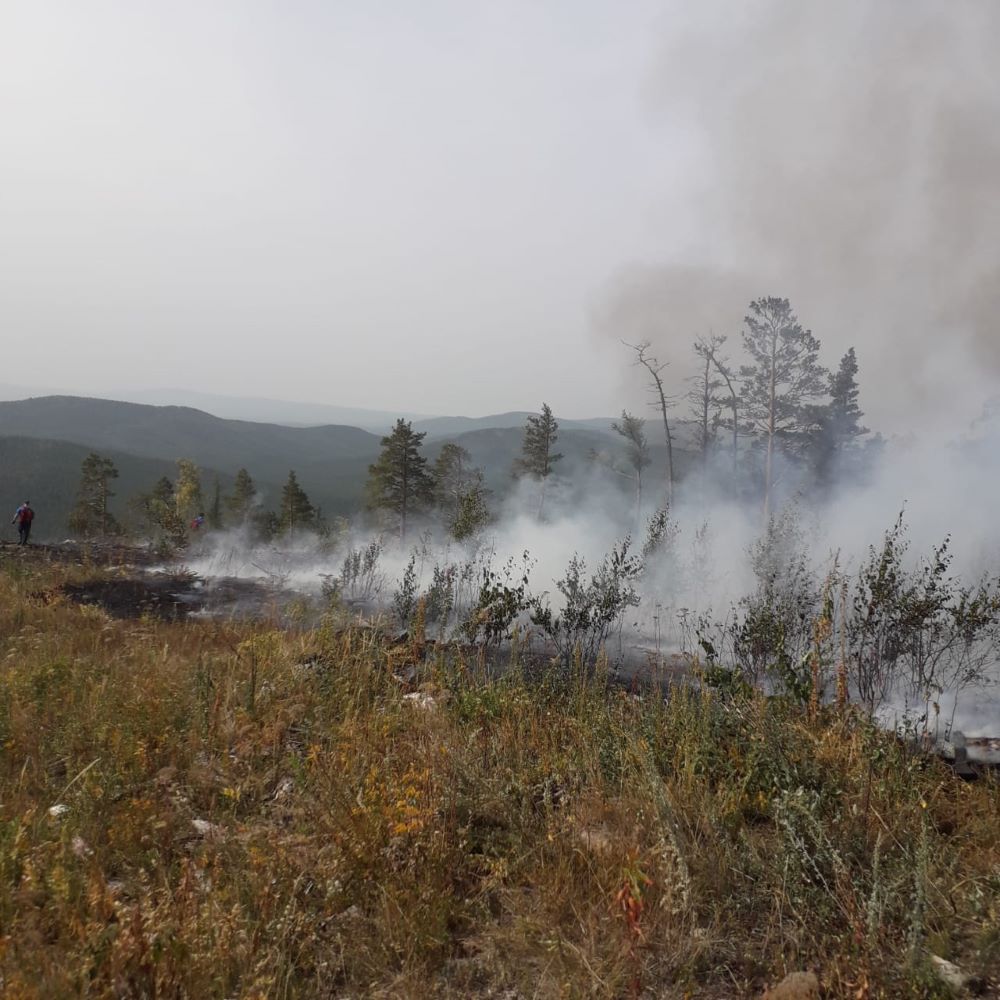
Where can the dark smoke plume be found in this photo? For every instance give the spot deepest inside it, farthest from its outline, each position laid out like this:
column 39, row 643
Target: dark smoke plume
column 851, row 162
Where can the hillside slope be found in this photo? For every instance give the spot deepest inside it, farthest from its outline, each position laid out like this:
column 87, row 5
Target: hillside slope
column 330, row 461
column 48, row 472
column 337, row 457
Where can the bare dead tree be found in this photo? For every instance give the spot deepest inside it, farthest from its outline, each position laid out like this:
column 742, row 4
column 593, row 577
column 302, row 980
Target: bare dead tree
column 710, row 352
column 654, row 369
column 703, row 399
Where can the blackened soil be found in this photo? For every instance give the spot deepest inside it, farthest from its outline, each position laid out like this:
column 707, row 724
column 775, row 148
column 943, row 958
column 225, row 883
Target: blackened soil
column 176, row 596
column 167, row 597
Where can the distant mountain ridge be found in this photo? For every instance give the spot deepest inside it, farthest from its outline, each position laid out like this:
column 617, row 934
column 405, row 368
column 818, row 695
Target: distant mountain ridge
column 436, row 427
column 269, row 451
column 331, row 461
column 258, row 409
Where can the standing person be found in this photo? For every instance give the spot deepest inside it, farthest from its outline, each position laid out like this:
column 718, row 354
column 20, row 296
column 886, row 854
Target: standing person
column 23, row 517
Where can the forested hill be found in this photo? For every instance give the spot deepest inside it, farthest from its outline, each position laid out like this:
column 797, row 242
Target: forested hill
column 331, row 462
column 145, row 441
column 178, row 431
column 48, row 472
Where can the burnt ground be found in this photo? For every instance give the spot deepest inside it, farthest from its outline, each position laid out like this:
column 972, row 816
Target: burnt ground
column 165, row 597
column 121, row 579
column 177, row 596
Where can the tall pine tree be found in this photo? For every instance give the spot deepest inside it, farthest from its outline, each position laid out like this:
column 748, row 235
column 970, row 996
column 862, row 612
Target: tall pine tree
column 780, row 385
column 839, row 421
column 90, row 516
column 399, row 483
column 241, row 501
column 296, row 512
column 538, row 454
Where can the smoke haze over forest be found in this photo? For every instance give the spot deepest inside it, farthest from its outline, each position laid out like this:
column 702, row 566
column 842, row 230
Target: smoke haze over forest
column 313, row 199
column 470, row 210
column 850, row 157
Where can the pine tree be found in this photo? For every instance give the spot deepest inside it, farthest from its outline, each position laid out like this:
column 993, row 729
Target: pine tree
column 537, row 454
column 158, row 509
column 241, row 501
column 296, row 511
column 163, row 492
column 781, row 384
column 91, row 515
column 455, row 478
column 840, row 420
column 399, row 483
column 844, row 412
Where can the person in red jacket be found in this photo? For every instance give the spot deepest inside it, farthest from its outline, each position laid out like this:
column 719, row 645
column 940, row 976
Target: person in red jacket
column 23, row 517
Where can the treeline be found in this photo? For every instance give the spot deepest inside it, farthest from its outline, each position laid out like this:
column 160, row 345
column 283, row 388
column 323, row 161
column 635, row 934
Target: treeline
column 174, row 508
column 773, row 420
column 404, row 487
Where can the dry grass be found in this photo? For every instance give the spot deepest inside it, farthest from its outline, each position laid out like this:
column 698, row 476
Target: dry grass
column 237, row 824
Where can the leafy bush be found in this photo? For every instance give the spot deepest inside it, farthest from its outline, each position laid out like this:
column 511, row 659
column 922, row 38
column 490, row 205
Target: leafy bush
column 502, row 599
column 591, row 608
column 917, row 631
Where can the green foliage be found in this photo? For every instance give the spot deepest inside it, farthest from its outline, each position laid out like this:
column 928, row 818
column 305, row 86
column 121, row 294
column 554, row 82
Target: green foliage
column 440, row 597
column 918, row 630
column 661, row 535
column 188, row 499
column 360, row 579
column 502, row 598
column 780, row 384
column 143, row 440
column 399, row 483
column 784, row 375
column 404, row 599
column 772, row 634
column 91, row 517
column 537, row 451
column 235, row 822
column 632, row 430
column 591, row 609
column 241, row 501
column 296, row 512
column 840, row 423
column 459, row 492
column 472, row 514
column 157, row 513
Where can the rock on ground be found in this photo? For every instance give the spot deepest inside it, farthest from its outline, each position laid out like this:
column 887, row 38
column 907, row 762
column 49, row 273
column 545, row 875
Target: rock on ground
column 795, row 986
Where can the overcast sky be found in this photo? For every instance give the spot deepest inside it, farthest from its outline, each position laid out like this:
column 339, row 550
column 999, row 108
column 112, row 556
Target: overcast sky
column 458, row 207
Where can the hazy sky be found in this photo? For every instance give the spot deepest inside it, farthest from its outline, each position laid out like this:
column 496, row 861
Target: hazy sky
column 458, row 207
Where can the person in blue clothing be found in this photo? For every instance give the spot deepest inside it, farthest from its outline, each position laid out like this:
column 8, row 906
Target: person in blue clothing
column 23, row 517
